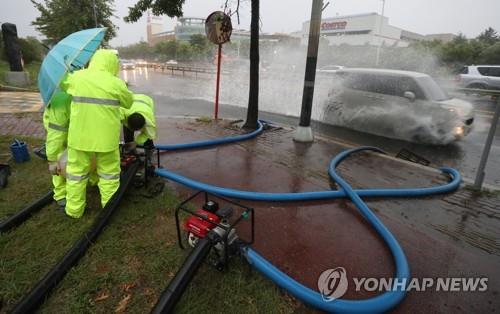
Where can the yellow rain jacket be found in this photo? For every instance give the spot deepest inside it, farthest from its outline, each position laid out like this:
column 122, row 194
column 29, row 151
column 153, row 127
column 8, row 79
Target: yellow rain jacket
column 144, row 105
column 97, row 96
column 94, row 130
column 56, row 122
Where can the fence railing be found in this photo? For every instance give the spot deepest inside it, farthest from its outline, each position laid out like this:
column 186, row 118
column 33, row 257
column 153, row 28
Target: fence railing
column 492, row 92
column 181, row 68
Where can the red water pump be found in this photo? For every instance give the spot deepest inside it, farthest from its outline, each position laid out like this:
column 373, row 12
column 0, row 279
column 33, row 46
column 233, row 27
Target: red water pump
column 212, row 222
column 201, row 222
column 216, row 224
column 213, row 239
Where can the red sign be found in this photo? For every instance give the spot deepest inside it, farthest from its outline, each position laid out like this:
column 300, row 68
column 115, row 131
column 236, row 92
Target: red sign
column 328, row 26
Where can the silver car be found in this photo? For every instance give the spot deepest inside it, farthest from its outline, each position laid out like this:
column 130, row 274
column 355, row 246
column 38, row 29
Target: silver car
column 480, row 76
column 127, row 65
column 397, row 104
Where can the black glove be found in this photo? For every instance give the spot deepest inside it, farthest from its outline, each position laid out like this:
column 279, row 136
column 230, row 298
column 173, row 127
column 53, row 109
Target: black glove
column 129, row 148
column 149, row 144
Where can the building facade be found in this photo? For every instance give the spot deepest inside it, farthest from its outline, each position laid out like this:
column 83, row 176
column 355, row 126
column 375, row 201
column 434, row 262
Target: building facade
column 368, row 28
column 182, row 32
column 358, row 29
column 154, row 30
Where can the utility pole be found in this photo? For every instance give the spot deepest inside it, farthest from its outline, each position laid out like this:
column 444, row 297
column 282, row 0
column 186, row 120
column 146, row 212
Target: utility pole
column 380, row 34
column 478, row 182
column 304, row 132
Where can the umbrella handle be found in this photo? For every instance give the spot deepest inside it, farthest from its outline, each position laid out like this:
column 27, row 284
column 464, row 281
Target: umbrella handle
column 68, row 68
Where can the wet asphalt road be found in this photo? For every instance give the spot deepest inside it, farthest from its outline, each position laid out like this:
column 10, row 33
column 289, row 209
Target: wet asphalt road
column 193, row 95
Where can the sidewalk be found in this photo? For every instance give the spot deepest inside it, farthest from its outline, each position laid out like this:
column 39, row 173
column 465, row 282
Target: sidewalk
column 22, row 123
column 14, row 102
column 454, row 235
column 20, row 114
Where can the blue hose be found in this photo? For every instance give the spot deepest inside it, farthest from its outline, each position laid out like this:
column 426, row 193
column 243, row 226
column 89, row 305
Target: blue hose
column 314, row 195
column 378, row 304
column 218, row 141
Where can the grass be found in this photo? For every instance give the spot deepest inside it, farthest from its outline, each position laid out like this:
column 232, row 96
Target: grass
column 33, row 69
column 128, row 266
column 27, row 179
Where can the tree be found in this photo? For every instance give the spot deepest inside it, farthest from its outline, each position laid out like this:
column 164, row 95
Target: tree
column 490, row 55
column 489, row 36
column 139, row 50
column 171, row 8
column 2, row 50
column 198, row 40
column 460, row 51
column 184, row 52
column 31, row 49
column 59, row 18
column 168, row 49
column 253, row 95
column 201, row 48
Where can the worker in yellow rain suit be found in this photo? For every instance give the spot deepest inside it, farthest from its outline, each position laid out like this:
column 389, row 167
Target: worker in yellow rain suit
column 56, row 122
column 139, row 117
column 94, row 129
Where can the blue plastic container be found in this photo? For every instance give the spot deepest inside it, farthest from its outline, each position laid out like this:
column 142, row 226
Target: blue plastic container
column 19, row 151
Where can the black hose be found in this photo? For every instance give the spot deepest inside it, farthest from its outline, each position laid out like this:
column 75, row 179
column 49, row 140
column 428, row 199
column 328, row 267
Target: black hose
column 38, row 294
column 21, row 216
column 172, row 294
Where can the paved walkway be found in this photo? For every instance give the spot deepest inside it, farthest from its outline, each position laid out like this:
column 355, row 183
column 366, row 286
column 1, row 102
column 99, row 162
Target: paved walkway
column 22, row 123
column 454, row 235
column 12, row 102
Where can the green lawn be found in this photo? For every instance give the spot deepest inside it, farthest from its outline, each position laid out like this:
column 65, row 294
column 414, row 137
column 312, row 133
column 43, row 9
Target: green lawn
column 128, row 266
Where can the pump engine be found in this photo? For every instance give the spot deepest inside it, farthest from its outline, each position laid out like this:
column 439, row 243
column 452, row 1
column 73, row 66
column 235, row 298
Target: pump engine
column 212, row 222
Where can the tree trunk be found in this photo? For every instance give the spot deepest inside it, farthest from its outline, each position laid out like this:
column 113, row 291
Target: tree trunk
column 253, row 97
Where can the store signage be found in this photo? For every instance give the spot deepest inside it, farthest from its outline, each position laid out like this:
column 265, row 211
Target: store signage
column 328, row 26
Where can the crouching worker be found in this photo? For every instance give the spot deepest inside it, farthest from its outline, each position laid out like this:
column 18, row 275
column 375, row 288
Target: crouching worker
column 139, row 117
column 94, row 129
column 56, row 122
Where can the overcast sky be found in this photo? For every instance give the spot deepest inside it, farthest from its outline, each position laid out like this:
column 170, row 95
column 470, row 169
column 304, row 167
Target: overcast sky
column 422, row 16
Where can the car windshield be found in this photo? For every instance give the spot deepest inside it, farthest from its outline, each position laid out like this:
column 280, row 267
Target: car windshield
column 432, row 89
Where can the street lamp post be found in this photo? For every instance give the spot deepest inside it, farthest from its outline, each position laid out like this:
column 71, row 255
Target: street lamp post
column 380, row 34
column 95, row 14
column 478, row 182
column 304, row 132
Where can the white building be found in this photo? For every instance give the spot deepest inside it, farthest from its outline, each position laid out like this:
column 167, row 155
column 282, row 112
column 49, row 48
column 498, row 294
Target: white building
column 359, row 29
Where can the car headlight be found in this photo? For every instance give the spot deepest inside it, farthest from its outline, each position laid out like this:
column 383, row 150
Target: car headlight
column 459, row 131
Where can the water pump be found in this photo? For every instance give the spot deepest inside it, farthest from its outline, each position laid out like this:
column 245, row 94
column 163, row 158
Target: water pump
column 213, row 238
column 213, row 222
